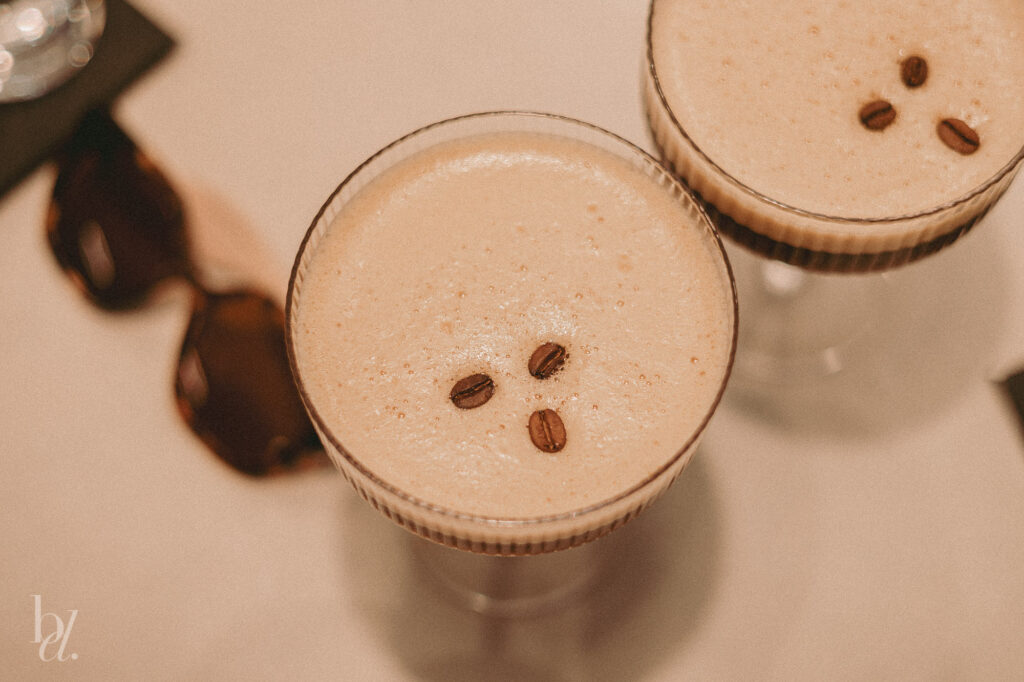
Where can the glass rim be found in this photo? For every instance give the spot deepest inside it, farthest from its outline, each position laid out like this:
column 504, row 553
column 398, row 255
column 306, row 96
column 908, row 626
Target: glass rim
column 980, row 189
column 482, row 519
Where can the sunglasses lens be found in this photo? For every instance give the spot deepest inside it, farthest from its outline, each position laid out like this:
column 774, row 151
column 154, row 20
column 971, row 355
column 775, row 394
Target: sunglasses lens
column 115, row 224
column 235, row 389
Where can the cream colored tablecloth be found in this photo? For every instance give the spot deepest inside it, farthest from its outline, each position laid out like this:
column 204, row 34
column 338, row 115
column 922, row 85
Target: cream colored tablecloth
column 887, row 543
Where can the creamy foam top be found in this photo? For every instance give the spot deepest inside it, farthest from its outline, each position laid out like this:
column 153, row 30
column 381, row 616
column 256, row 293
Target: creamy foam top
column 771, row 92
column 463, row 259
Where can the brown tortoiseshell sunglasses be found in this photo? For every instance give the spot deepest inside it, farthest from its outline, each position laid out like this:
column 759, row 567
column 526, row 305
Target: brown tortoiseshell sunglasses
column 118, row 229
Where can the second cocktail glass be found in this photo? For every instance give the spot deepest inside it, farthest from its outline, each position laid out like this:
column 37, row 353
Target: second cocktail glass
column 771, row 130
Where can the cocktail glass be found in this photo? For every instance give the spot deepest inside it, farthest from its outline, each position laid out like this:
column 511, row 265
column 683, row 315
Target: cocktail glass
column 495, row 572
column 815, row 287
column 43, row 43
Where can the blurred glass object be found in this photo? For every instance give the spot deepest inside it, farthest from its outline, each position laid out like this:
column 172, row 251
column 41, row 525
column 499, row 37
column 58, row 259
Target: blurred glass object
column 43, row 43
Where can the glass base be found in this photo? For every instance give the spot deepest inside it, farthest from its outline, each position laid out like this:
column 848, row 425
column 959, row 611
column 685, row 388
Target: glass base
column 799, row 326
column 509, row 587
column 859, row 354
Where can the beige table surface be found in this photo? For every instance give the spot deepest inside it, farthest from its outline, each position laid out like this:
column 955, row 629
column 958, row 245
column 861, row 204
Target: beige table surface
column 875, row 539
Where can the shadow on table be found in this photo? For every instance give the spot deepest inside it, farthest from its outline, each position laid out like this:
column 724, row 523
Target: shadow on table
column 657, row 578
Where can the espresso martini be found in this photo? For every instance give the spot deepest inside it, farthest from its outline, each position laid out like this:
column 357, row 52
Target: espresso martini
column 514, row 325
column 841, row 127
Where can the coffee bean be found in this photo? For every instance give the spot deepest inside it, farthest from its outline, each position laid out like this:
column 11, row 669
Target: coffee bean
column 958, row 136
column 473, row 391
column 546, row 360
column 877, row 115
column 914, row 71
column 547, row 430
